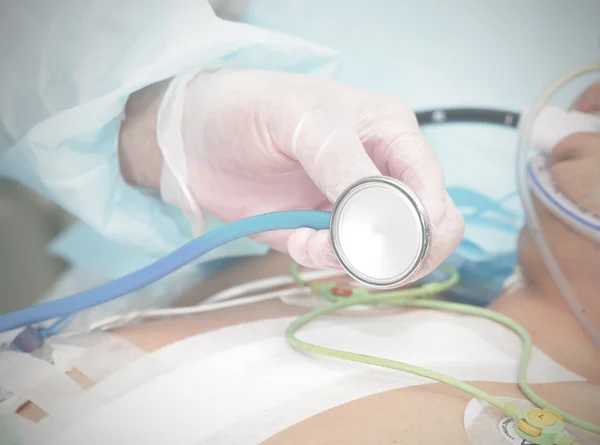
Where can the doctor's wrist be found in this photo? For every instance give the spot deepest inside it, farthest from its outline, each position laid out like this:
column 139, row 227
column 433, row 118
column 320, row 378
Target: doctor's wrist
column 140, row 158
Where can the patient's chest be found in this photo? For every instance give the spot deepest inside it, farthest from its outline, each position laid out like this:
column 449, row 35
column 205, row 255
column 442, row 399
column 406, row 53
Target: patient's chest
column 242, row 382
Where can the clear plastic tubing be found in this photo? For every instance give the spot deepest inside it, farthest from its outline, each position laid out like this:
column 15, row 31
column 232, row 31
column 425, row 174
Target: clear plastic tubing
column 533, row 222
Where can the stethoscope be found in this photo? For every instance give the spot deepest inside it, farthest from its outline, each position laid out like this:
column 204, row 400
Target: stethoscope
column 379, row 228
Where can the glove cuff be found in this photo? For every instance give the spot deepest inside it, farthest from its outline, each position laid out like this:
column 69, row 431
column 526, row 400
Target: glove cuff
column 174, row 188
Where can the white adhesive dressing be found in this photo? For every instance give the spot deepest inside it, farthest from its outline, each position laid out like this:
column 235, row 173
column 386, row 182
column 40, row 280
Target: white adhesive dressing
column 41, row 378
column 9, row 401
column 164, row 360
column 114, row 364
column 38, row 381
column 96, row 355
column 223, row 385
column 25, row 432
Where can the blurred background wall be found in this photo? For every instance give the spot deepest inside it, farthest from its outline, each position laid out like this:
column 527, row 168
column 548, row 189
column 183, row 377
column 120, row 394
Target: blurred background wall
column 27, row 224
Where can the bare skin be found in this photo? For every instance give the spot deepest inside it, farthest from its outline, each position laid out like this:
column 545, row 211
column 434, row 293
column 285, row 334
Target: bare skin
column 397, row 416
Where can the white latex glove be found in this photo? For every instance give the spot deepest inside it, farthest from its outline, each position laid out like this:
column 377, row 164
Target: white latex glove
column 237, row 143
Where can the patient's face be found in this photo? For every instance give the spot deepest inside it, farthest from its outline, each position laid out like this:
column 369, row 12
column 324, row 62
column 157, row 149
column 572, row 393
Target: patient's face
column 575, row 168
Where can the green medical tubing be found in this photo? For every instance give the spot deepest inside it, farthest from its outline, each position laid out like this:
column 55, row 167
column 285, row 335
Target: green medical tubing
column 413, row 298
column 426, row 290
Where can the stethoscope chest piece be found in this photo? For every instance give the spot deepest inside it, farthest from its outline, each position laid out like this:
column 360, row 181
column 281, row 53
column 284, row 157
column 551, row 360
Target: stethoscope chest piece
column 380, row 232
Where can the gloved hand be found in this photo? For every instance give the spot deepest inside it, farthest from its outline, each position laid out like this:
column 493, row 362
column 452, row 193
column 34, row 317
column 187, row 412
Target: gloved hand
column 244, row 142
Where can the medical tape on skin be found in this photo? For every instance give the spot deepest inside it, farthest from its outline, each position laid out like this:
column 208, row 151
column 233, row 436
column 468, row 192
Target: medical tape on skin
column 9, row 401
column 112, row 363
column 96, row 355
column 146, row 368
column 164, row 360
column 26, row 432
column 112, row 387
column 161, row 361
column 254, row 429
column 487, row 425
column 205, row 407
column 176, row 355
column 249, row 378
column 203, row 346
column 510, row 345
column 43, row 384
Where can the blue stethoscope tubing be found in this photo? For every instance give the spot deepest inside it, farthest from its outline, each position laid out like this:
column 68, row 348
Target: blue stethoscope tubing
column 285, row 220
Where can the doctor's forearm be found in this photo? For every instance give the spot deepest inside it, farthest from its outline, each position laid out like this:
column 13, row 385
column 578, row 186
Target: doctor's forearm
column 139, row 155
